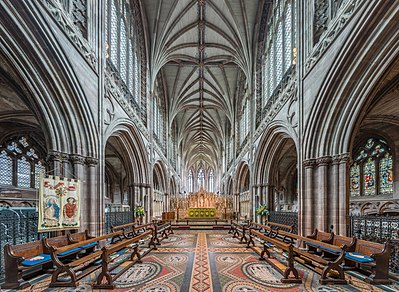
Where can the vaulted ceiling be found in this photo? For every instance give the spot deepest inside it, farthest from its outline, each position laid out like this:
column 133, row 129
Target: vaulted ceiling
column 203, row 49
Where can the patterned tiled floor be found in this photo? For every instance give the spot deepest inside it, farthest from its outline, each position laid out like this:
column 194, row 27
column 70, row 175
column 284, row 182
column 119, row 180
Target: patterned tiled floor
column 205, row 261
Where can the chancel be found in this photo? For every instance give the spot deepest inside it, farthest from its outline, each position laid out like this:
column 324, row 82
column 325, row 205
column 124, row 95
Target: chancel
column 199, row 145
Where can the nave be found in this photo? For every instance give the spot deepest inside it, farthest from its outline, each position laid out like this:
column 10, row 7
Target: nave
column 210, row 260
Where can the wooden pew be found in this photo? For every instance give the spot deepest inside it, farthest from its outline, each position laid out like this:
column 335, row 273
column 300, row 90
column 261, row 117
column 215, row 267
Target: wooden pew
column 162, row 231
column 107, row 260
column 320, row 265
column 337, row 240
column 372, row 257
column 269, row 242
column 22, row 258
column 318, row 236
column 265, row 229
column 240, row 229
column 279, row 226
column 71, row 269
column 128, row 231
column 69, row 239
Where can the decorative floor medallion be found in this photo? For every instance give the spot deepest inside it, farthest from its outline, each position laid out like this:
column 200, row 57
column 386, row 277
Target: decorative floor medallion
column 209, row 261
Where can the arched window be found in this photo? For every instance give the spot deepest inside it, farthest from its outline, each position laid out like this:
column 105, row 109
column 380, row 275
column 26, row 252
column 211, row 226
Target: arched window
column 121, row 40
column 280, row 51
column 20, row 164
column 190, row 182
column 211, row 181
column 371, row 173
column 201, row 178
column 244, row 122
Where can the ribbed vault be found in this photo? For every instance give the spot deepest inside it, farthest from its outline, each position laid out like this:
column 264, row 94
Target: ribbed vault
column 203, row 48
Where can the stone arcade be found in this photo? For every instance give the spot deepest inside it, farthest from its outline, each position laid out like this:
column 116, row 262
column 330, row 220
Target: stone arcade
column 163, row 108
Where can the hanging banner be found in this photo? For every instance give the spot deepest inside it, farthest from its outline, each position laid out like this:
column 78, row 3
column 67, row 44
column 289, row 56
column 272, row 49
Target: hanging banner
column 59, row 204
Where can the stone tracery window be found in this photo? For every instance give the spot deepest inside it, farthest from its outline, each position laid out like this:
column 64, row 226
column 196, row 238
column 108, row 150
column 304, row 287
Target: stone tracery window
column 211, row 181
column 280, row 46
column 190, row 182
column 121, row 40
column 201, row 178
column 20, row 164
column 371, row 173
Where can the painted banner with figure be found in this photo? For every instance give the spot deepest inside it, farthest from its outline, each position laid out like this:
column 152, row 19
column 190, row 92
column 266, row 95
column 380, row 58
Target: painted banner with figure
column 59, row 204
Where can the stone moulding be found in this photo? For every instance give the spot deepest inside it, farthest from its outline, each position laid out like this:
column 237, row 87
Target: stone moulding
column 112, row 89
column 56, row 10
column 288, row 92
column 334, row 28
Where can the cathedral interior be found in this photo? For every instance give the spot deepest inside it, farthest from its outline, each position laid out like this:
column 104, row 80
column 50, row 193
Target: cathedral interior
column 199, row 145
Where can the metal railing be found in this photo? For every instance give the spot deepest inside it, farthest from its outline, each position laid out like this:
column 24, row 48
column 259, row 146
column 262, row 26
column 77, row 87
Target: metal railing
column 378, row 229
column 117, row 218
column 287, row 218
column 17, row 226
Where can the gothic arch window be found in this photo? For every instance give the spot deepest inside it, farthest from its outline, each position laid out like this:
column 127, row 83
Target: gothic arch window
column 190, row 182
column 121, row 45
column 244, row 121
column 201, row 178
column 371, row 173
column 20, row 164
column 211, row 181
column 280, row 47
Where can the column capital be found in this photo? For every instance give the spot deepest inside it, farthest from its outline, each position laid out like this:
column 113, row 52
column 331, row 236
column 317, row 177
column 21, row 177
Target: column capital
column 323, row 161
column 77, row 159
column 91, row 161
column 54, row 156
column 309, row 163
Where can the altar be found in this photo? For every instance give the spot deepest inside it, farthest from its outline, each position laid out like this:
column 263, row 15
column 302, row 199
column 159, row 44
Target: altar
column 201, row 205
column 202, row 213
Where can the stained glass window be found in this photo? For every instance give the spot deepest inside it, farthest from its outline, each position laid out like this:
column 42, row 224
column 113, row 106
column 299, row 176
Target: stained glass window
column 372, row 171
column 355, row 180
column 136, row 77
column 279, row 53
column 114, row 34
column 369, row 177
column 20, row 153
column 39, row 170
column 211, row 181
column 122, row 44
column 23, row 173
column 190, row 181
column 279, row 45
column 386, row 175
column 123, row 49
column 201, row 178
column 5, row 168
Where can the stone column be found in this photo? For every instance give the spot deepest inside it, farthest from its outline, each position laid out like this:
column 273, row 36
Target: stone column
column 132, row 196
column 307, row 212
column 253, row 203
column 95, row 203
column 79, row 173
column 334, row 193
column 321, row 204
column 55, row 158
column 343, row 194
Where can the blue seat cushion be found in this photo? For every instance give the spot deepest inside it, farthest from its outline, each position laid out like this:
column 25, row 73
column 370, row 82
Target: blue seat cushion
column 312, row 244
column 329, row 250
column 358, row 257
column 74, row 250
column 121, row 251
column 36, row 260
column 88, row 245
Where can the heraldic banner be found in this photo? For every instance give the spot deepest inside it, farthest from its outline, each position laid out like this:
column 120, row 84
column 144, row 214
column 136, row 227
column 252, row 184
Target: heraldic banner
column 59, row 204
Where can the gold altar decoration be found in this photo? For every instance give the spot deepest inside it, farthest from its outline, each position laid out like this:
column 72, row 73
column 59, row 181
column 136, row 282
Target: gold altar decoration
column 201, row 200
column 202, row 213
